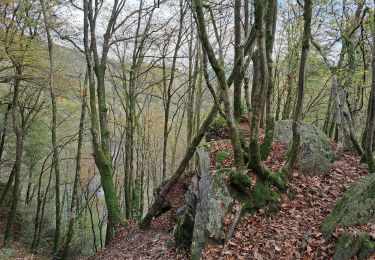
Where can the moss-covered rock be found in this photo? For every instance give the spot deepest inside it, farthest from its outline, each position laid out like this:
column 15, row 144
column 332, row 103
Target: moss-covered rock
column 216, row 197
column 350, row 245
column 183, row 231
column 357, row 206
column 214, row 203
column 315, row 153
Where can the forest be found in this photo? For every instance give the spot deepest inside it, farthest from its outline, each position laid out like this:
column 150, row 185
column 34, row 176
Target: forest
column 187, row 129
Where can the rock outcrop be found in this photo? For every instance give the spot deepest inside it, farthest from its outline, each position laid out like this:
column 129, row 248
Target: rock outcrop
column 350, row 245
column 315, row 153
column 357, row 206
column 214, row 203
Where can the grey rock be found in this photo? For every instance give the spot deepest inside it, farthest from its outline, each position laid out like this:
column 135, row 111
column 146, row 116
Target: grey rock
column 213, row 204
column 315, row 153
column 350, row 245
column 357, row 206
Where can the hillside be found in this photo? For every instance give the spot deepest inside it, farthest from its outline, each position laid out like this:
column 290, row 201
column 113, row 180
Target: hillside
column 292, row 231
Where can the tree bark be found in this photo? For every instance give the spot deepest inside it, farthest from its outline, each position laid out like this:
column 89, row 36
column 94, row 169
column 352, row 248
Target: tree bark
column 99, row 124
column 19, row 131
column 301, row 88
column 371, row 112
column 73, row 206
column 55, row 156
column 271, row 16
column 237, row 103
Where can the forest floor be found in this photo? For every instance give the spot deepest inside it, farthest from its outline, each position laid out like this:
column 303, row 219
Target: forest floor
column 292, row 232
column 16, row 249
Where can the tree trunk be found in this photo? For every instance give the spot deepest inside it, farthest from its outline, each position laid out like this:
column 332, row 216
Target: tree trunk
column 255, row 162
column 7, row 187
column 55, row 156
column 19, row 131
column 73, row 206
column 99, row 123
column 301, row 88
column 237, row 106
column 371, row 113
column 4, row 131
column 270, row 117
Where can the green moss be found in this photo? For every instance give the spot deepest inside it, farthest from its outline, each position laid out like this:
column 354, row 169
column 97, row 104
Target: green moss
column 277, row 179
column 136, row 200
column 268, row 138
column 217, row 129
column 367, row 249
column 183, row 232
column 329, row 225
column 262, row 193
column 218, row 122
column 240, row 180
column 350, row 245
column 221, row 156
column 355, row 207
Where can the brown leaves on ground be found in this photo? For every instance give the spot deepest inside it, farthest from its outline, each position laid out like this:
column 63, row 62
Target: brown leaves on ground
column 281, row 234
column 133, row 243
column 155, row 242
column 290, row 233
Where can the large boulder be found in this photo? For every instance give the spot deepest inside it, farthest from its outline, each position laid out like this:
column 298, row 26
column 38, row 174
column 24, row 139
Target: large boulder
column 350, row 245
column 220, row 193
column 357, row 206
column 214, row 203
column 315, row 153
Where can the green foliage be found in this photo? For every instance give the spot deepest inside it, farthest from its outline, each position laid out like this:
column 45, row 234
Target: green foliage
column 36, row 142
column 221, row 156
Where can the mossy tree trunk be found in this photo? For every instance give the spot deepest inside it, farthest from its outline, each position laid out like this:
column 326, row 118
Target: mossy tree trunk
column 371, row 112
column 96, row 67
column 237, row 106
column 218, row 68
column 7, row 187
column 271, row 16
column 19, row 132
column 255, row 162
column 74, row 206
column 300, row 88
column 4, row 129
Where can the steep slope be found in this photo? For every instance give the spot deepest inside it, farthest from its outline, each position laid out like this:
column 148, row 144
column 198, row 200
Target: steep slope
column 289, row 232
